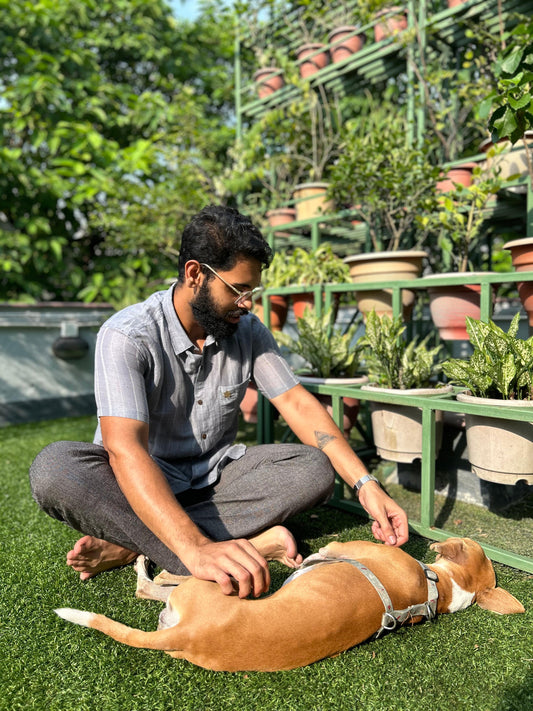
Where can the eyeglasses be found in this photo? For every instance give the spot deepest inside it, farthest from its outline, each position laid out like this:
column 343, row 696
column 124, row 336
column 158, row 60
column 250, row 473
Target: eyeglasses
column 242, row 296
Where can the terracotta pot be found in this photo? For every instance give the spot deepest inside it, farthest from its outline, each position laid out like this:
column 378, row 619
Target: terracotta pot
column 312, row 59
column 391, row 21
column 460, row 174
column 310, row 200
column 281, row 216
column 499, row 450
column 522, row 257
column 344, row 42
column 302, row 302
column 279, row 309
column 268, row 80
column 397, row 429
column 385, row 266
column 455, row 3
column 351, row 405
column 450, row 305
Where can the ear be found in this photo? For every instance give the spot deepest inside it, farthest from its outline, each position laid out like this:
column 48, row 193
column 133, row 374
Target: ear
column 451, row 548
column 193, row 272
column 499, row 600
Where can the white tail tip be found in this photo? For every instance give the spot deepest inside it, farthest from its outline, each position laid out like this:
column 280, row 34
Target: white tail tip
column 78, row 617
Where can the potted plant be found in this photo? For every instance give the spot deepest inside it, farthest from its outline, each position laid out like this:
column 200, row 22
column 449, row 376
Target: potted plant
column 458, row 223
column 396, row 367
column 307, row 20
column 393, row 186
column 310, row 267
column 317, row 121
column 345, row 38
column 327, row 356
column 512, row 121
column 499, row 373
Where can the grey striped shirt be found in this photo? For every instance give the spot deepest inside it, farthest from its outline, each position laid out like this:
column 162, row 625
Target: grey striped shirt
column 147, row 369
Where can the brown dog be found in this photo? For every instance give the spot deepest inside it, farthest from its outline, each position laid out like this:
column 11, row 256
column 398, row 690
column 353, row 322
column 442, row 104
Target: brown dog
column 318, row 614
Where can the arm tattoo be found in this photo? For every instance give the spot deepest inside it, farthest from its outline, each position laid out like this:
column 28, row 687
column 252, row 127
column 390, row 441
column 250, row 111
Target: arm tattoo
column 323, row 439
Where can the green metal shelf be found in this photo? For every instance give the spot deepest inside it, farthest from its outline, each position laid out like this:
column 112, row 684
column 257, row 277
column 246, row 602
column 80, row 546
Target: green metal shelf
column 425, row 526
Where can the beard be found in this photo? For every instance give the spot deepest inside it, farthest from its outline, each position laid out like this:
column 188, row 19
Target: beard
column 208, row 315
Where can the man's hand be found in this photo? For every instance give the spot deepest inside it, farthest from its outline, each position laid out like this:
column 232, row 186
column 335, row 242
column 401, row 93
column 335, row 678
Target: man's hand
column 227, row 562
column 390, row 520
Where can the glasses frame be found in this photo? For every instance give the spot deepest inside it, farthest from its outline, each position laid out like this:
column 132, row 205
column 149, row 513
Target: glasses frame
column 241, row 295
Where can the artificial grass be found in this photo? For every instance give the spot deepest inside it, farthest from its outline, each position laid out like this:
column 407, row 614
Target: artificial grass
column 473, row 660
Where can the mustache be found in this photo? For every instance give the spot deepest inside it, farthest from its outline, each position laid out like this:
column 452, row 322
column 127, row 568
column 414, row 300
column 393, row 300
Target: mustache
column 238, row 312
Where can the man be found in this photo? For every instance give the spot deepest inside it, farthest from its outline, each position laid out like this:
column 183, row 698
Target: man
column 163, row 476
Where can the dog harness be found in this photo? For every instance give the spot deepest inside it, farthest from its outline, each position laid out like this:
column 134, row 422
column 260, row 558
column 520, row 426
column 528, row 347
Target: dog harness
column 391, row 618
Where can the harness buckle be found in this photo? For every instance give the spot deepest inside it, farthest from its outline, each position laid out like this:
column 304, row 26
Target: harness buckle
column 388, row 621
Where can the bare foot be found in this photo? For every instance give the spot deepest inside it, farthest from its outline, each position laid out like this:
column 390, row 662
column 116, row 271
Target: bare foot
column 277, row 543
column 91, row 556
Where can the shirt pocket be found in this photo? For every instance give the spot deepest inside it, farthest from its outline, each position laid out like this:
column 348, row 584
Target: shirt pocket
column 231, row 395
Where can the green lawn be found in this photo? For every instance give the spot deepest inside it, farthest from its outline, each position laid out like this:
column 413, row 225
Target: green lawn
column 471, row 661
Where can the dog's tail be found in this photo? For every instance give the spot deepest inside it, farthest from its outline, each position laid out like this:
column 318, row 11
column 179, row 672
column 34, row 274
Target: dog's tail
column 164, row 639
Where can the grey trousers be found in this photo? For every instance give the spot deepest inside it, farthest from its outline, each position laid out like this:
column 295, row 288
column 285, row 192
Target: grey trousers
column 74, row 483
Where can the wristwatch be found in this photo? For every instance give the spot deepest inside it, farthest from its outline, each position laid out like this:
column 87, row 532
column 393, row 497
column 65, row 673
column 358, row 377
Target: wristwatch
column 363, row 480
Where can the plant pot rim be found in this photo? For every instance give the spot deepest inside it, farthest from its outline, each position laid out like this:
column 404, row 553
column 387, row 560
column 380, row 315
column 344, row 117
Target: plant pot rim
column 445, row 275
column 310, row 45
column 264, row 70
column 486, row 142
column 443, row 390
column 314, row 380
column 343, row 28
column 409, row 253
column 522, row 242
column 312, row 184
column 475, row 399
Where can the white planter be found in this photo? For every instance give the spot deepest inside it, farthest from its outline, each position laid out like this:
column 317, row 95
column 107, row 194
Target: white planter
column 499, row 450
column 397, row 429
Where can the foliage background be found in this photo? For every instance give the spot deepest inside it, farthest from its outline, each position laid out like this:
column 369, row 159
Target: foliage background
column 114, row 118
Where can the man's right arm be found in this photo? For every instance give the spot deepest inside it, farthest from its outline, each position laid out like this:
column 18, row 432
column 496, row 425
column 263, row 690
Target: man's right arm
column 148, row 493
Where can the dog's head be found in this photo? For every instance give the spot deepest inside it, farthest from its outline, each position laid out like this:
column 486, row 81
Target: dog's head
column 470, row 569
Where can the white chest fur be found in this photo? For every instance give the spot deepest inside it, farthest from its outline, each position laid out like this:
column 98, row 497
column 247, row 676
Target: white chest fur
column 461, row 599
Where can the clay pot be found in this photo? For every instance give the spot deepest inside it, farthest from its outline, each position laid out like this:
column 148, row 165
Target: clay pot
column 391, row 21
column 344, row 41
column 459, row 174
column 311, row 201
column 268, row 80
column 281, row 216
column 522, row 257
column 385, row 266
column 397, row 429
column 311, row 59
column 499, row 450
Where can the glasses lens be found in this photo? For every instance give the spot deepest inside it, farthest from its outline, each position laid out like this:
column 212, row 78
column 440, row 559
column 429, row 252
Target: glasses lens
column 249, row 295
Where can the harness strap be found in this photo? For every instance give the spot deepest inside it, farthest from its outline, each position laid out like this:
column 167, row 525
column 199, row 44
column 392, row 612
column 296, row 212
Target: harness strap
column 391, row 618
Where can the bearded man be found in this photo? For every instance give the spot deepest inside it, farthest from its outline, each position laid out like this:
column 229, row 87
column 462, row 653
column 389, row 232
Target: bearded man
column 164, row 475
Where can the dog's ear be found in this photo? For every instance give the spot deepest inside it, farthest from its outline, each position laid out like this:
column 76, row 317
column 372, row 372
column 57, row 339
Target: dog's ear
column 499, row 600
column 451, row 548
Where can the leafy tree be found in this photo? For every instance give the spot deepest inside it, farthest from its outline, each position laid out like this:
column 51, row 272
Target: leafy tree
column 113, row 120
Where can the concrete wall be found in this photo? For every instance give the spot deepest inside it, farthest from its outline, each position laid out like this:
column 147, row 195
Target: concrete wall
column 36, row 384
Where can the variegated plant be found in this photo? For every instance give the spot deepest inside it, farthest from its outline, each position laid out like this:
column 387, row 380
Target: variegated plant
column 327, row 352
column 501, row 366
column 393, row 362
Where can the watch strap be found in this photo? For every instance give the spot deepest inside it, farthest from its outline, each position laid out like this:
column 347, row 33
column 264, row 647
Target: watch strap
column 363, row 480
